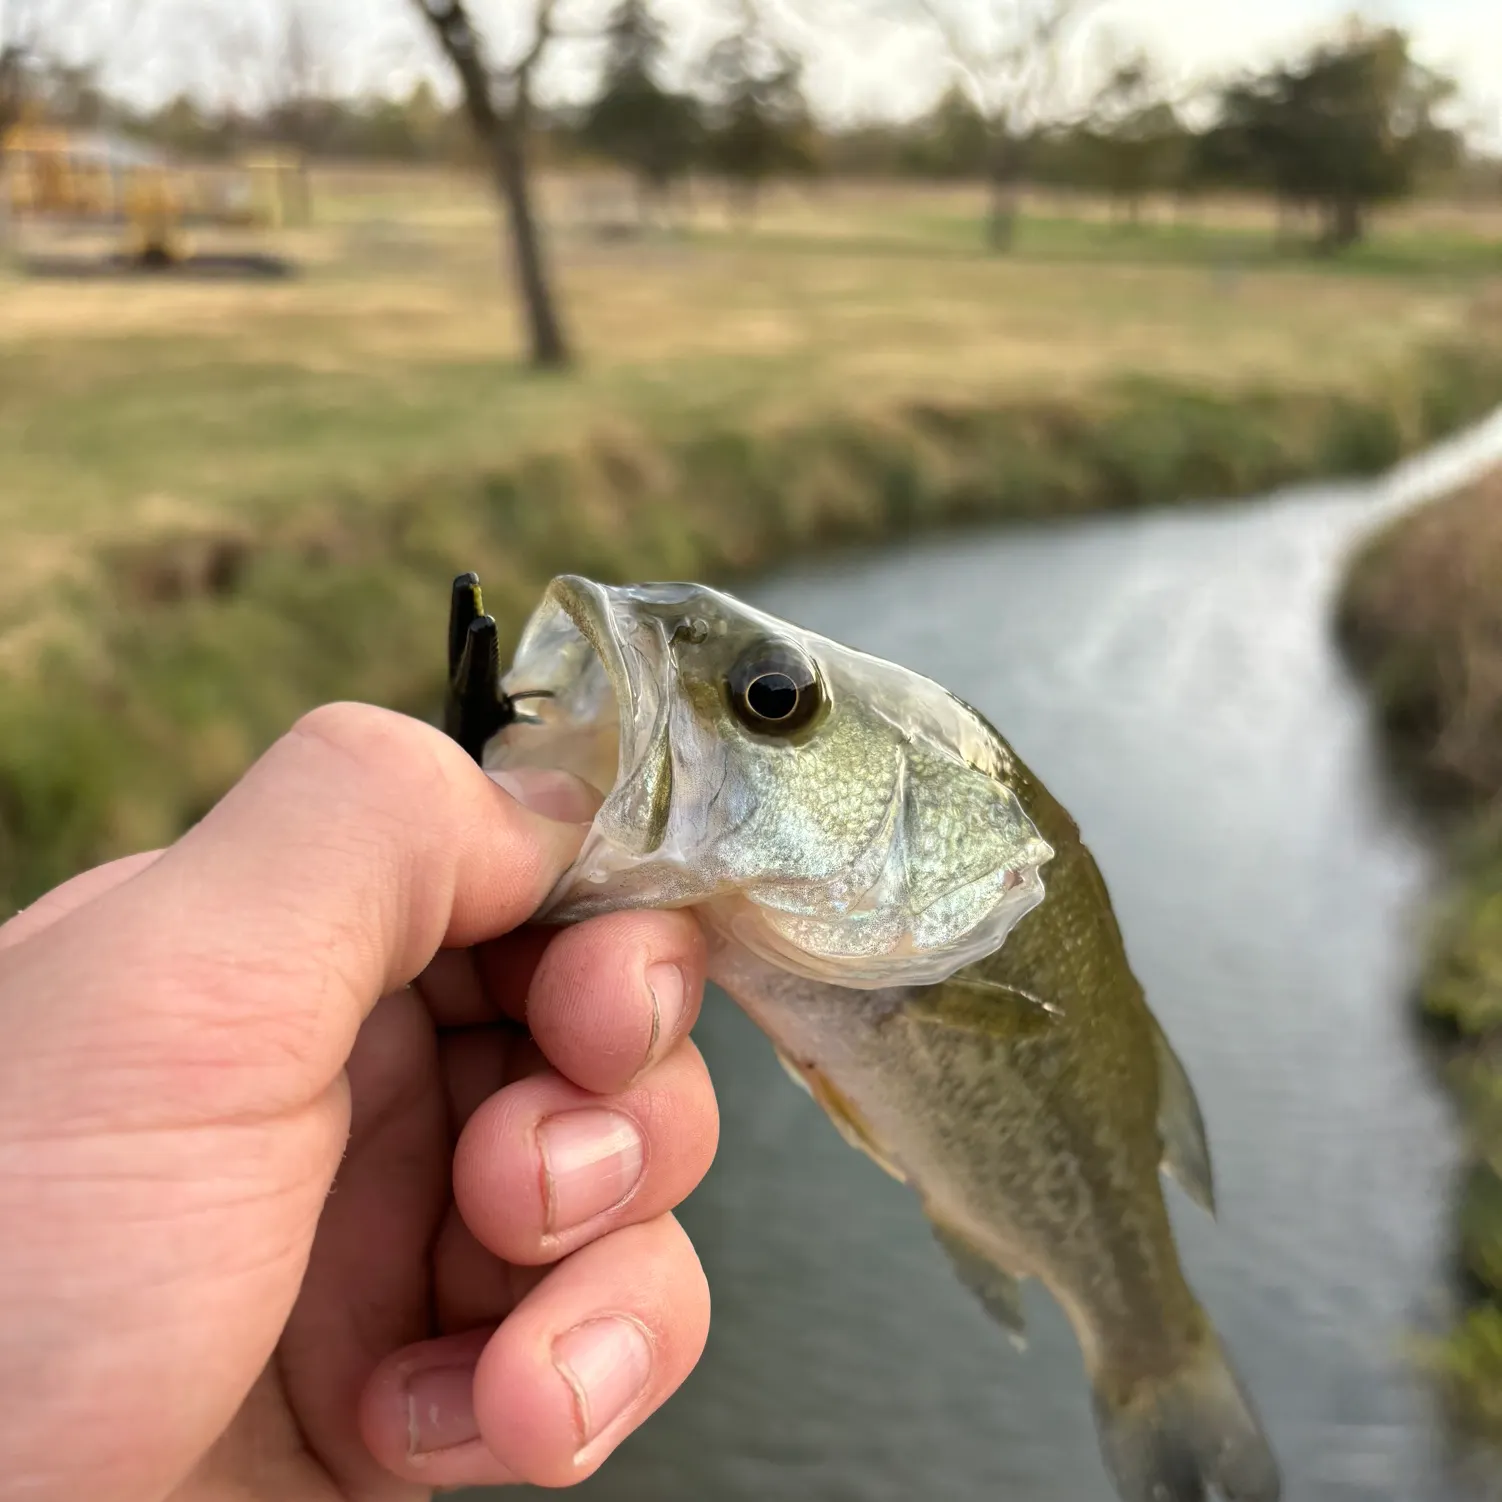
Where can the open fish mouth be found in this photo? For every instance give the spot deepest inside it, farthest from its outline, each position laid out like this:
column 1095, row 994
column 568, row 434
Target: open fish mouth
column 926, row 869
column 596, row 670
column 572, row 663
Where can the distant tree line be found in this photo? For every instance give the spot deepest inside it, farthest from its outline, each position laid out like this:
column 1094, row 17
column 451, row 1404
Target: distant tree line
column 747, row 120
column 1352, row 123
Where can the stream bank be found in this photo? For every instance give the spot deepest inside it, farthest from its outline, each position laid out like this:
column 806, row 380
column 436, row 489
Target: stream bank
column 181, row 655
column 1421, row 617
column 1172, row 676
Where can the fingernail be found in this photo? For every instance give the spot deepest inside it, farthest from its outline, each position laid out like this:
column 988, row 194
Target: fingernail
column 606, row 1362
column 440, row 1409
column 591, row 1160
column 553, row 794
column 666, row 984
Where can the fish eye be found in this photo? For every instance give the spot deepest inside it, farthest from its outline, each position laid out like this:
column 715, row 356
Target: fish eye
column 774, row 690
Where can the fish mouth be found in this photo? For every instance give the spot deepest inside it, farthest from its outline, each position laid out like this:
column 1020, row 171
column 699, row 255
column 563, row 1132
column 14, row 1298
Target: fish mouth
column 592, row 670
column 597, row 678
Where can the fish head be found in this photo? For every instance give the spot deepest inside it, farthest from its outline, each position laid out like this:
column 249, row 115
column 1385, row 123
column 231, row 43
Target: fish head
column 837, row 815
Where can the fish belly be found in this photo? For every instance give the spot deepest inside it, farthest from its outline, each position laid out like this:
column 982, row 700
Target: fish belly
column 963, row 1121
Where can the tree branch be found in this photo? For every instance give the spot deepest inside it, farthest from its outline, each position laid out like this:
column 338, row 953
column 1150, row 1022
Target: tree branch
column 961, row 54
column 460, row 41
column 461, row 45
column 951, row 34
column 521, row 70
column 20, row 39
column 1014, row 75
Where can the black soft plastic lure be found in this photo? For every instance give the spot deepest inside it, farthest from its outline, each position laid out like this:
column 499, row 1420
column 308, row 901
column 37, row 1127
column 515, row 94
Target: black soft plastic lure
column 476, row 706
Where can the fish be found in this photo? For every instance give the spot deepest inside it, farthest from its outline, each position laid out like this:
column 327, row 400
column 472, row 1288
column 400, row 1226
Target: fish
column 912, row 918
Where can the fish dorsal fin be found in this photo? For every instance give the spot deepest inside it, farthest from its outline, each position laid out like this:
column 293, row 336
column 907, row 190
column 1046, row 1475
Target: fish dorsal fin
column 998, row 1290
column 1181, row 1128
column 848, row 1121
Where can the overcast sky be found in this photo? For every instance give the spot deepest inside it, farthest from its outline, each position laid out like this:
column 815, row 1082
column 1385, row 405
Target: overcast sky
column 863, row 59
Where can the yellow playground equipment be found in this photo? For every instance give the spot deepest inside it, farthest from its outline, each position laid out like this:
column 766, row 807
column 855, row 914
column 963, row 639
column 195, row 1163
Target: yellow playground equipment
column 94, row 179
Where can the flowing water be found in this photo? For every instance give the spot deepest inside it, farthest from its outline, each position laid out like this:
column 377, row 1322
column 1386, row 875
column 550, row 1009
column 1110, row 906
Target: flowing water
column 1172, row 678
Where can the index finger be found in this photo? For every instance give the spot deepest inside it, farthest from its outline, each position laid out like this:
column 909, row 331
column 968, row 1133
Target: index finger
column 355, row 849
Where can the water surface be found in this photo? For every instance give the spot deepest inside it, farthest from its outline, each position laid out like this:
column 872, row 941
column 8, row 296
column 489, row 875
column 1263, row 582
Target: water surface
column 1172, row 678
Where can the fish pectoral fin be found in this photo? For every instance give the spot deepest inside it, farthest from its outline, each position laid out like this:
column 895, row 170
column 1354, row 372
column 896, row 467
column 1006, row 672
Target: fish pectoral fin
column 848, row 1121
column 979, row 1006
column 999, row 1291
column 1181, row 1128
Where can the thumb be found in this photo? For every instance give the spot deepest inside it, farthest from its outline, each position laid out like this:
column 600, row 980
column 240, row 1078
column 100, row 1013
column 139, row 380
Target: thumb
column 172, row 1106
column 251, row 951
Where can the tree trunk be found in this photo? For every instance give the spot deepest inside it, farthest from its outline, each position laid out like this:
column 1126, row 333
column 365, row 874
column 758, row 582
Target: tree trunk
column 1288, row 222
column 11, row 84
column 1343, row 225
column 544, row 329
column 1004, row 179
column 744, row 199
column 502, row 133
column 1349, row 224
column 1001, row 216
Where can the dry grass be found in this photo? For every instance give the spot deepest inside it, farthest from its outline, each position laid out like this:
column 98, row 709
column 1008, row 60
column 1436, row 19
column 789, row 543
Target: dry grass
column 128, row 407
column 223, row 503
column 1423, row 611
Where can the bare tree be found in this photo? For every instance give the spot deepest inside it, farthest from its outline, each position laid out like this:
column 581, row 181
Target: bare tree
column 21, row 46
column 50, row 44
column 17, row 58
column 231, row 54
column 298, row 80
column 498, row 101
column 1009, row 56
column 12, row 83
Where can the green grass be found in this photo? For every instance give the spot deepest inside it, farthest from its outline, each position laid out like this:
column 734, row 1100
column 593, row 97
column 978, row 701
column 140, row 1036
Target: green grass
column 190, row 650
column 1190, row 242
column 1216, row 235
column 1469, row 1364
column 225, row 503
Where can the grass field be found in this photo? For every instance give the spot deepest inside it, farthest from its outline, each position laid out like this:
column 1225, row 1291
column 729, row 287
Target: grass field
column 124, row 406
column 198, row 480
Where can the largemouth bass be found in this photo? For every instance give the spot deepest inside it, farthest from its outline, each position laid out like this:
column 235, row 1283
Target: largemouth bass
column 912, row 919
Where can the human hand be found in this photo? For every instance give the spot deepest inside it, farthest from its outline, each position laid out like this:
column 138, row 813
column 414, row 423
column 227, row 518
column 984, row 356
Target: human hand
column 307, row 991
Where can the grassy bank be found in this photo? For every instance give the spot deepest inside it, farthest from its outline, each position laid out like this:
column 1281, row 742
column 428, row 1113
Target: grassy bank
column 192, row 648
column 1422, row 617
column 222, row 504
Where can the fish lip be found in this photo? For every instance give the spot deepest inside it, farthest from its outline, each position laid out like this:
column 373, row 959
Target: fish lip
column 630, row 645
column 588, row 605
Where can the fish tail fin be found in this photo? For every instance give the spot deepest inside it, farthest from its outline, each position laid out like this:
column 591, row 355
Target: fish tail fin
column 1186, row 1436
